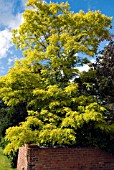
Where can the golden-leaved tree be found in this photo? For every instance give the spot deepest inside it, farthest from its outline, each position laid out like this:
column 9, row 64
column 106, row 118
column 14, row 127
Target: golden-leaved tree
column 50, row 38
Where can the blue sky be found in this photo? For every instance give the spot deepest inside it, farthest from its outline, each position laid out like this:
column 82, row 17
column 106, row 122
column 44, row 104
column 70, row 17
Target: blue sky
column 11, row 17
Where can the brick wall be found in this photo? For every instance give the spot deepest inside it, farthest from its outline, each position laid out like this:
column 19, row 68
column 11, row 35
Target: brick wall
column 31, row 157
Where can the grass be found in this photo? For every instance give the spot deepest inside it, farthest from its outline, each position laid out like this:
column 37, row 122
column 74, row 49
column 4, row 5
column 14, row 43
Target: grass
column 4, row 162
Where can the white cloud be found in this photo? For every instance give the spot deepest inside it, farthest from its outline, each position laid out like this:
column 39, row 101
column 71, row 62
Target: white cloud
column 16, row 21
column 93, row 61
column 5, row 12
column 23, row 2
column 5, row 42
column 8, row 21
column 85, row 67
column 7, row 18
column 12, row 59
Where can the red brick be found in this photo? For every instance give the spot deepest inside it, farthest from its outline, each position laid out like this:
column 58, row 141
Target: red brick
column 31, row 157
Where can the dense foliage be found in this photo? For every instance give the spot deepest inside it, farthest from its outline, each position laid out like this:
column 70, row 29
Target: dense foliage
column 101, row 75
column 104, row 68
column 59, row 113
column 100, row 81
column 11, row 116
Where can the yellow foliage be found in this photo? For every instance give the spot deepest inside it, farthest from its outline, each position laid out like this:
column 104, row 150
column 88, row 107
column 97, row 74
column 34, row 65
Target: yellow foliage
column 50, row 37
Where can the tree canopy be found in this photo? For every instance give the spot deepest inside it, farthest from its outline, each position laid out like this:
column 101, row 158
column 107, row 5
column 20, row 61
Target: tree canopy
column 100, row 76
column 104, row 68
column 50, row 38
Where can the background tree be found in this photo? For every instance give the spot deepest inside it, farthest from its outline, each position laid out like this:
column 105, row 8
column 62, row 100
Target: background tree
column 11, row 116
column 104, row 68
column 99, row 82
column 100, row 77
column 50, row 38
column 101, row 74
